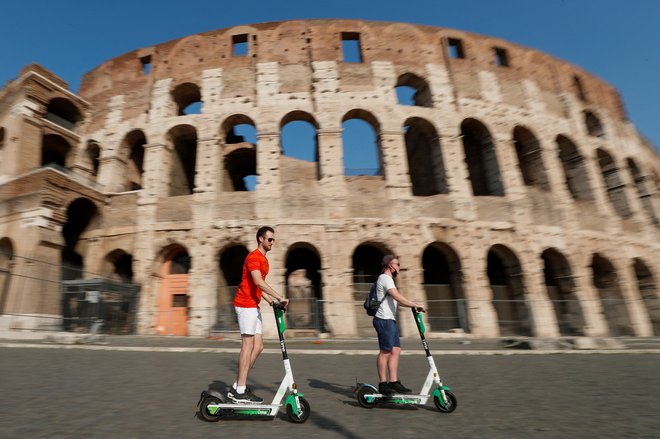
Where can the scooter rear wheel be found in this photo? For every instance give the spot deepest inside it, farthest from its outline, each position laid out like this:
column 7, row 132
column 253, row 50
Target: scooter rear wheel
column 204, row 411
column 451, row 405
column 300, row 417
column 361, row 397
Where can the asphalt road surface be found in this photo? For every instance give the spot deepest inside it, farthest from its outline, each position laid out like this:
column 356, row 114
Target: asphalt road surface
column 80, row 393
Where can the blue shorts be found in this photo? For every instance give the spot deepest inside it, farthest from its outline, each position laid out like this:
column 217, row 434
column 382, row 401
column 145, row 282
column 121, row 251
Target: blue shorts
column 388, row 334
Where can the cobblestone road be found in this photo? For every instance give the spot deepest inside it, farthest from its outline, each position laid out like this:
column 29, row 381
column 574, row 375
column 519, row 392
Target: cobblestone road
column 79, row 393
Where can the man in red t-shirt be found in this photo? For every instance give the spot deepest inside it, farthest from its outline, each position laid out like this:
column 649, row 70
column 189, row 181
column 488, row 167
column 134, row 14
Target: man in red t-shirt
column 250, row 291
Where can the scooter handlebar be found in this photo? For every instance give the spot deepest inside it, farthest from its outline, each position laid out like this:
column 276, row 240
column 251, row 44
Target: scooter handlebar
column 276, row 304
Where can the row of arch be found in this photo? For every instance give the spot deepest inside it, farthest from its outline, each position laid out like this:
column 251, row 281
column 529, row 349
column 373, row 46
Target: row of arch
column 362, row 154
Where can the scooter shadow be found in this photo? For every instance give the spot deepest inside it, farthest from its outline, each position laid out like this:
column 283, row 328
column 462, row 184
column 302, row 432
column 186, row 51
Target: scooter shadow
column 349, row 392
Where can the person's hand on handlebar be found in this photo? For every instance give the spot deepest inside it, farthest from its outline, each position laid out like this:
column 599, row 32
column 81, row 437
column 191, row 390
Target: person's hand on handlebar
column 419, row 308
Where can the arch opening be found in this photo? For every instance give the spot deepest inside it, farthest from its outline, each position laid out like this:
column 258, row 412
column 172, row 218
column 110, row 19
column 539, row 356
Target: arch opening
column 506, row 283
column 614, row 306
column 425, row 162
column 648, row 291
column 483, row 169
column 577, row 179
column 530, row 159
column 240, row 155
column 183, row 138
column 304, row 287
column 561, row 289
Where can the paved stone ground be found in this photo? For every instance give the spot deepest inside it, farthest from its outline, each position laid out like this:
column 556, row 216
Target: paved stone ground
column 84, row 393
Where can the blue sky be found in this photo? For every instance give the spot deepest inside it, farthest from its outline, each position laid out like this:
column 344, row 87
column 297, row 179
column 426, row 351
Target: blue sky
column 618, row 41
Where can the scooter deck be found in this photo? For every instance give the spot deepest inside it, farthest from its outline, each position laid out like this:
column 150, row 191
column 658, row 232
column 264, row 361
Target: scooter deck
column 399, row 397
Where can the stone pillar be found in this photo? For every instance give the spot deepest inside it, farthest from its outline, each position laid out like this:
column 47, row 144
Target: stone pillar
column 395, row 164
column 514, row 185
column 202, row 284
column 458, row 178
column 112, row 173
column 482, row 316
column 542, row 313
column 268, row 176
column 639, row 316
column 156, row 170
column 595, row 324
column 332, row 182
column 208, row 177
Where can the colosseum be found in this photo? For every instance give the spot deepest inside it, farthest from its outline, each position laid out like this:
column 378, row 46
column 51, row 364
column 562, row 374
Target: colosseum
column 519, row 198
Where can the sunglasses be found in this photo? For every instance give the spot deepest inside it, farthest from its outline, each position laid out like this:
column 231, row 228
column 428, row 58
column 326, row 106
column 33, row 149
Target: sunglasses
column 270, row 239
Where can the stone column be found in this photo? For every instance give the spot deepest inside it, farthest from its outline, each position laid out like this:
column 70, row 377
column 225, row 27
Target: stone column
column 268, row 176
column 542, row 313
column 395, row 164
column 156, row 170
column 458, row 178
column 202, row 284
column 639, row 316
column 482, row 316
column 332, row 183
column 208, row 177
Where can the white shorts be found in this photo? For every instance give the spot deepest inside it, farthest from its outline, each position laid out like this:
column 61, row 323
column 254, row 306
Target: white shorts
column 249, row 320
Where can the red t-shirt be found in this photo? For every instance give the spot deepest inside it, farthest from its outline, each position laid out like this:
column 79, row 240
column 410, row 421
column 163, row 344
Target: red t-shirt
column 248, row 294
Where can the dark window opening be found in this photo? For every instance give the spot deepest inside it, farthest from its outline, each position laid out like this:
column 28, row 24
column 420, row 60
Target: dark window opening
column 645, row 196
column 425, row 162
column 54, row 150
column 240, row 157
column 575, row 171
column 145, row 61
column 579, row 88
column 240, row 46
column 413, row 90
column 93, row 155
column 2, row 137
column 134, row 147
column 188, row 99
column 184, row 158
column 501, row 57
column 62, row 112
column 606, row 281
column 351, row 48
column 506, row 283
column 483, row 168
column 530, row 159
column 455, row 48
column 594, row 127
column 613, row 183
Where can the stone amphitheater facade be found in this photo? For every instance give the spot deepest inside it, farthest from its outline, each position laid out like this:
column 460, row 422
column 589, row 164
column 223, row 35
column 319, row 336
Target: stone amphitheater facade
column 517, row 194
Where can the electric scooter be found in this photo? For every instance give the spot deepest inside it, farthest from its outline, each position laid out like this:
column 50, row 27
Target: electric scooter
column 445, row 401
column 212, row 406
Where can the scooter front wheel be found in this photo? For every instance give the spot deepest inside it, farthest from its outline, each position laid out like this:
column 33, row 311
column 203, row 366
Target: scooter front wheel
column 304, row 411
column 206, row 413
column 451, row 404
column 367, row 403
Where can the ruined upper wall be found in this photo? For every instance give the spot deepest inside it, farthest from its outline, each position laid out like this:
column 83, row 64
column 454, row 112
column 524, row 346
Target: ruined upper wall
column 294, row 45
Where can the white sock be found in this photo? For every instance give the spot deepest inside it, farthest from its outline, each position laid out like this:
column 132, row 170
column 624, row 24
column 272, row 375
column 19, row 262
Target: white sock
column 240, row 389
column 233, row 386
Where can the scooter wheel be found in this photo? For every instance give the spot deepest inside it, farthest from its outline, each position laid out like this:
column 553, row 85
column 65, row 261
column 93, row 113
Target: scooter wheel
column 303, row 415
column 361, row 397
column 204, row 411
column 451, row 405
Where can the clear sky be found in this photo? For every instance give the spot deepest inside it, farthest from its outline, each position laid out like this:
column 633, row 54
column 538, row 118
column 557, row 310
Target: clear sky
column 617, row 40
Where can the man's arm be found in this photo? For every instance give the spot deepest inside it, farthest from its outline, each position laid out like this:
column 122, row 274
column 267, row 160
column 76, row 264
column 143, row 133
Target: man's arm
column 265, row 288
column 396, row 295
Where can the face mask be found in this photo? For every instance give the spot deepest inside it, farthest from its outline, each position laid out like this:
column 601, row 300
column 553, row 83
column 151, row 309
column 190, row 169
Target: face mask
column 394, row 272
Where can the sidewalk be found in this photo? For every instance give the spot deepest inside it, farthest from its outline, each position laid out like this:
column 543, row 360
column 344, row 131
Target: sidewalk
column 325, row 346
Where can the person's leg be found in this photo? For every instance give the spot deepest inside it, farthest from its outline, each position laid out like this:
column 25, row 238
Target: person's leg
column 245, row 361
column 381, row 364
column 393, row 363
column 257, row 349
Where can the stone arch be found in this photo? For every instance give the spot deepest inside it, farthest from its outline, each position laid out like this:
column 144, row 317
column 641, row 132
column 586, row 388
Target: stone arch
column 55, row 150
column 443, row 284
column 593, row 125
column 230, row 271
column 613, row 184
column 119, row 264
column 299, row 145
column 240, row 155
column 81, row 215
column 361, row 156
column 643, row 192
column 561, row 288
column 483, row 168
column 414, row 89
column 575, row 171
column 304, row 286
column 132, row 152
column 615, row 311
column 183, row 139
column 6, row 258
column 172, row 316
column 530, row 158
column 63, row 112
column 2, row 137
column 506, row 282
column 425, row 162
column 648, row 290
column 93, row 155
column 187, row 98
